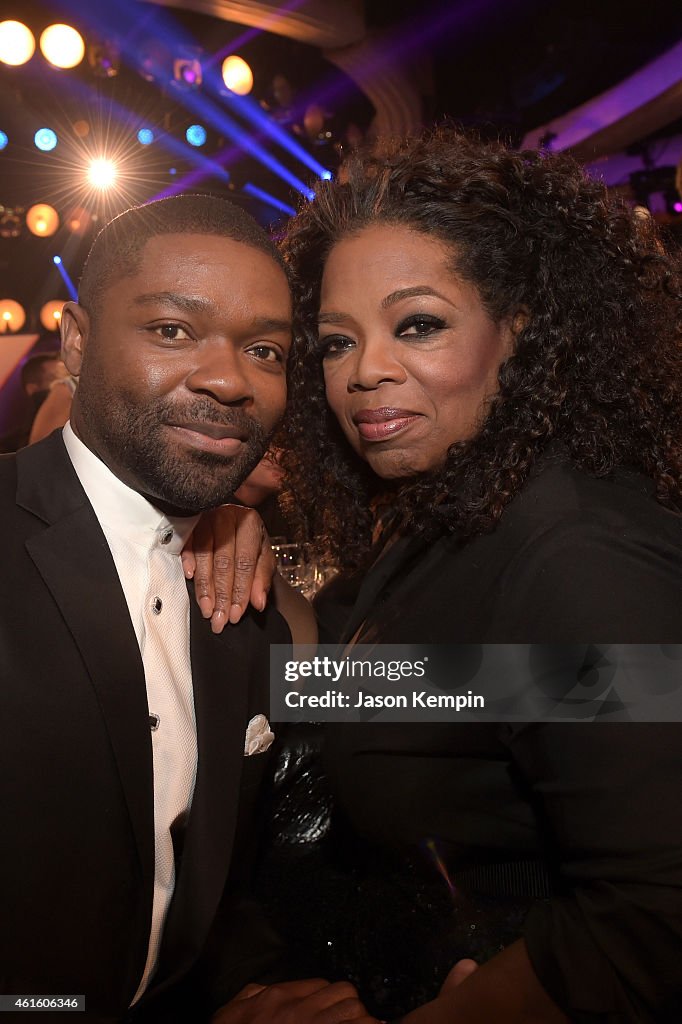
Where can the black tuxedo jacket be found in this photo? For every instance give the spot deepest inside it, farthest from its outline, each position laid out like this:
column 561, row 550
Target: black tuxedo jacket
column 76, row 789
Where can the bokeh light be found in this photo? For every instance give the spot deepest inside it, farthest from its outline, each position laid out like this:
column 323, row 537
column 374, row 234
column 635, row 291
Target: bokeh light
column 145, row 136
column 45, row 139
column 51, row 314
column 12, row 316
column 102, row 173
column 3, row 140
column 42, row 220
column 62, row 46
column 237, row 75
column 17, row 44
column 196, row 135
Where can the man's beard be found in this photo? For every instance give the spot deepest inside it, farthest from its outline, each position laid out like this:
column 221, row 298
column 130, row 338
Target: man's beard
column 173, row 476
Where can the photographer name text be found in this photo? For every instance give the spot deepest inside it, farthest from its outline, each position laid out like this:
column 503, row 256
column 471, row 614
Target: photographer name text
column 362, row 699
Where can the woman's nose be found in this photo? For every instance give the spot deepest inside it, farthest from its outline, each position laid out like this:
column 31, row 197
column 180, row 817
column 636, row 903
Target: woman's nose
column 376, row 362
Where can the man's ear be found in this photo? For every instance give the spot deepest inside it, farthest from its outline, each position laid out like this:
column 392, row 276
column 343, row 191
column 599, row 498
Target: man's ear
column 75, row 328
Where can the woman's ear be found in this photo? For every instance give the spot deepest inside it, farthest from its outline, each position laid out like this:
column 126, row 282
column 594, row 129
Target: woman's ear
column 75, row 327
column 520, row 319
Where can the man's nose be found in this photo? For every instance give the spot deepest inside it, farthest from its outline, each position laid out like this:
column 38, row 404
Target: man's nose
column 221, row 372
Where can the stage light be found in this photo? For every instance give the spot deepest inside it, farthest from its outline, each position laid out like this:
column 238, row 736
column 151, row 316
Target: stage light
column 187, row 73
column 12, row 316
column 45, row 139
column 102, row 173
column 196, row 135
column 51, row 314
column 42, row 220
column 62, row 46
column 326, row 175
column 259, row 193
column 3, row 140
column 237, row 75
column 70, row 286
column 17, row 44
column 145, row 136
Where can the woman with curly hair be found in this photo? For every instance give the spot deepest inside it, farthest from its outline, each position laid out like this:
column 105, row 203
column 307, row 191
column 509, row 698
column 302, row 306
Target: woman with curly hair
column 485, row 432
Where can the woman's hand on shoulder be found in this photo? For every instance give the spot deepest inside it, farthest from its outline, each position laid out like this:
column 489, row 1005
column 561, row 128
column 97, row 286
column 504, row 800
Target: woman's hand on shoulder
column 230, row 559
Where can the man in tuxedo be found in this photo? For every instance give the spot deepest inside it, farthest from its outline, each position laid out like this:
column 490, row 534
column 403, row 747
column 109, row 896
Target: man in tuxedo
column 126, row 796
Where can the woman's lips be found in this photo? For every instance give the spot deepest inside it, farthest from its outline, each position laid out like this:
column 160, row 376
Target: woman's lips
column 380, row 424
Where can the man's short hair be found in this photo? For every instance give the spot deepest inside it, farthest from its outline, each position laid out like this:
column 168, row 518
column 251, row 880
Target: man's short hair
column 117, row 249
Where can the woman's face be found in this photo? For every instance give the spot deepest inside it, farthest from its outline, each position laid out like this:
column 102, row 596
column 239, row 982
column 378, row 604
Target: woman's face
column 410, row 355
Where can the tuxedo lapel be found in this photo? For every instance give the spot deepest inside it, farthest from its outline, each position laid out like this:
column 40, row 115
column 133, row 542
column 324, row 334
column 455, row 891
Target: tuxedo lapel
column 73, row 558
column 220, row 679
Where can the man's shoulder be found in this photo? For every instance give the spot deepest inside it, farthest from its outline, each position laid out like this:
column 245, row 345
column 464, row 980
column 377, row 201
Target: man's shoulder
column 8, row 472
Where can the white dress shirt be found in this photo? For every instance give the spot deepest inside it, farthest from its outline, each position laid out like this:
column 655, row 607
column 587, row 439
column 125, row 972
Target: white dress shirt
column 146, row 546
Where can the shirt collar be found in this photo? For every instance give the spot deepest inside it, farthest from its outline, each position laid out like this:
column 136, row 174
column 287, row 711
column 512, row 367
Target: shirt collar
column 119, row 508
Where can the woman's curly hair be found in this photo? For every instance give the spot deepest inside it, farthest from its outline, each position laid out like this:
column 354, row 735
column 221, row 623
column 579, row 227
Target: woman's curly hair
column 597, row 365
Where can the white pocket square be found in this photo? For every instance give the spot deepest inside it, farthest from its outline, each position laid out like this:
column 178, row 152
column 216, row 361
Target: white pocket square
column 258, row 736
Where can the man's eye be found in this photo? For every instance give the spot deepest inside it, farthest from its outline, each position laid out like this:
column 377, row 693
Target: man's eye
column 172, row 332
column 267, row 353
column 420, row 325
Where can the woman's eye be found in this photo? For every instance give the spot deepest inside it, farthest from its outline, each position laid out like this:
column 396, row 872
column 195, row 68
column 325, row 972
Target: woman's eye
column 334, row 345
column 420, row 326
column 267, row 353
column 172, row 332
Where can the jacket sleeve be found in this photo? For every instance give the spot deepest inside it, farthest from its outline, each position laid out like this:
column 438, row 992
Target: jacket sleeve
column 610, row 948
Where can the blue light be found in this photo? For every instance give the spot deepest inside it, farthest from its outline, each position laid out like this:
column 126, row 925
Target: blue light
column 173, row 170
column 57, row 260
column 145, row 136
column 45, row 139
column 326, row 175
column 196, row 135
column 278, row 204
column 3, row 140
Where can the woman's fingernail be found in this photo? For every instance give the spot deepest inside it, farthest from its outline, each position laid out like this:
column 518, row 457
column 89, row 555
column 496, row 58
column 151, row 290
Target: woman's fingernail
column 217, row 621
column 189, row 573
column 206, row 606
column 235, row 613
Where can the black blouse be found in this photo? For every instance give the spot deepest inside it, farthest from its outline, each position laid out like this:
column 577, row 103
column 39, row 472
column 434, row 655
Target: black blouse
column 583, row 822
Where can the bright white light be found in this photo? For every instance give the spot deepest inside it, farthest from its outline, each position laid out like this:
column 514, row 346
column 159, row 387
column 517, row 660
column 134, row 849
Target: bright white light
column 102, row 173
column 62, row 46
column 237, row 75
column 17, row 44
